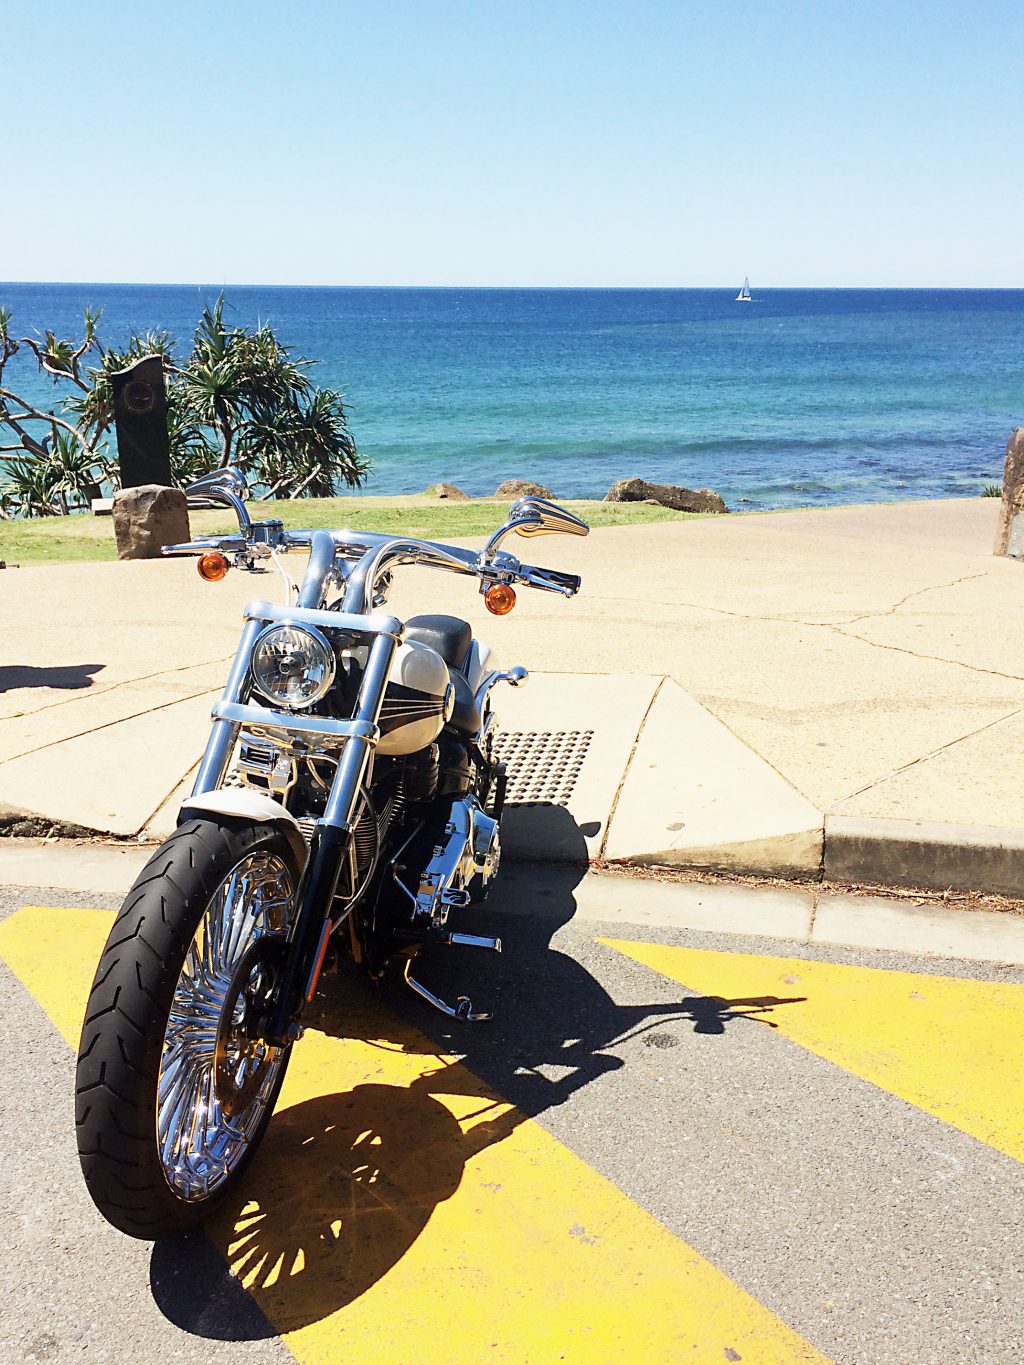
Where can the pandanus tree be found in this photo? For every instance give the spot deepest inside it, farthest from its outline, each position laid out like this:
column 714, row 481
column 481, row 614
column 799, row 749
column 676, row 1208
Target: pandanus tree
column 53, row 460
column 239, row 397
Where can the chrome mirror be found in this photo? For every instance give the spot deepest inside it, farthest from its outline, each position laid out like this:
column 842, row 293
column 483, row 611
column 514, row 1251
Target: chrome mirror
column 221, row 487
column 228, row 478
column 536, row 517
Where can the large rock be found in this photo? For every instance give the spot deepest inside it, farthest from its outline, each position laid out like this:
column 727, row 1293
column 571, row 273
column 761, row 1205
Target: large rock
column 522, row 488
column 147, row 518
column 1010, row 535
column 666, row 495
column 447, row 490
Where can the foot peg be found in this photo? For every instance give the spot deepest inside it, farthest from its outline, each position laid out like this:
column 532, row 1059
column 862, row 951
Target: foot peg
column 474, row 941
column 463, row 1007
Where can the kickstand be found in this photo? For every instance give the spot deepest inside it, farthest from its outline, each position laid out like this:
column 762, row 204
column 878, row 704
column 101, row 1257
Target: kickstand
column 462, row 1009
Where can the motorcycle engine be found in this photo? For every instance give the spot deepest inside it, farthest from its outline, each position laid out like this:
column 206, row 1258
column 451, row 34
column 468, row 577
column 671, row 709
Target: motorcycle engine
column 461, row 865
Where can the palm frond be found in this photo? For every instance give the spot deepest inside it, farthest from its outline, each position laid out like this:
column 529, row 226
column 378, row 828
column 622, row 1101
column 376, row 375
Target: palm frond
column 30, row 486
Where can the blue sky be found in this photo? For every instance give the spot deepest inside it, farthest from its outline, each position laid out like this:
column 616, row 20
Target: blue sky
column 802, row 142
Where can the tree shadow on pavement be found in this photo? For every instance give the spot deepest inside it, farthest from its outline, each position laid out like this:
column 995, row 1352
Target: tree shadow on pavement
column 66, row 677
column 345, row 1182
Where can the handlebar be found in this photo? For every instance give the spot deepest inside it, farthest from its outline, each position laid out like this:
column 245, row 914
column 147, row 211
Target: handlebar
column 368, row 556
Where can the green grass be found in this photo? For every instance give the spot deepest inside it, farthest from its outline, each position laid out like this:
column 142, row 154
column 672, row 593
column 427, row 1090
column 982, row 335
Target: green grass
column 69, row 540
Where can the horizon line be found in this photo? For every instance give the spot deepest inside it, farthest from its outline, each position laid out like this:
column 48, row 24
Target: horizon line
column 511, row 288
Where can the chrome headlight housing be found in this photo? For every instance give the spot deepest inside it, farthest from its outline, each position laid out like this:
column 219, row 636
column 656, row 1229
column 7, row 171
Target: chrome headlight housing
column 292, row 666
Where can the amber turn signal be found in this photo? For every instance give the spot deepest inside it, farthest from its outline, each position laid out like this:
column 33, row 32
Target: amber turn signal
column 212, row 566
column 500, row 599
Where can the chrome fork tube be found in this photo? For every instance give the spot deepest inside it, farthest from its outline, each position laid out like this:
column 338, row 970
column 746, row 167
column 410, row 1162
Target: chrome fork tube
column 327, row 850
column 225, row 732
column 340, row 809
column 318, row 570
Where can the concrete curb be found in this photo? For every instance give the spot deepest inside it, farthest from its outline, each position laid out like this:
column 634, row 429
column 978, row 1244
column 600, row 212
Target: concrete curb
column 792, row 914
column 924, row 853
column 855, row 850
column 785, row 913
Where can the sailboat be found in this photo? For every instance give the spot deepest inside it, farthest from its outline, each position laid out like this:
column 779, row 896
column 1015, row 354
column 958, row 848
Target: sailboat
column 744, row 295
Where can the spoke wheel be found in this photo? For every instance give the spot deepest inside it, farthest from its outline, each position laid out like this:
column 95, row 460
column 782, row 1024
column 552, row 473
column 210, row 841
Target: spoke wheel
column 216, row 1074
column 175, row 1086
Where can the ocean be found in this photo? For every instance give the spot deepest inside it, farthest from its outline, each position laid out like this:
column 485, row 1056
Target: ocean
column 800, row 398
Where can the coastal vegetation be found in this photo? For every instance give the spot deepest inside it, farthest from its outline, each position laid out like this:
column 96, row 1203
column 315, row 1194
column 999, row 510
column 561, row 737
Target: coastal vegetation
column 238, row 396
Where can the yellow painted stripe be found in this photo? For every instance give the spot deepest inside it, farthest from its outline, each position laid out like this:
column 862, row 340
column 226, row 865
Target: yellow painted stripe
column 951, row 1046
column 55, row 953
column 401, row 1212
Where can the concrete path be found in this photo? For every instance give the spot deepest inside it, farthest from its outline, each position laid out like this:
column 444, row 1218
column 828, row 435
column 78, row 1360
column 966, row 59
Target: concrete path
column 669, row 1145
column 837, row 691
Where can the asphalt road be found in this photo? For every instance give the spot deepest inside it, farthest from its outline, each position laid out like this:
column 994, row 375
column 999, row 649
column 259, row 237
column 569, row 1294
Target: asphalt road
column 666, row 1146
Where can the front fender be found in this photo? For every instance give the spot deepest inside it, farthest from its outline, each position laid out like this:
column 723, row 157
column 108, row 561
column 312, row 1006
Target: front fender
column 246, row 805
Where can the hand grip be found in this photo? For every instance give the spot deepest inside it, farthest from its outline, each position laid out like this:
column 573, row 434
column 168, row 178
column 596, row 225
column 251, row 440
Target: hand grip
column 552, row 580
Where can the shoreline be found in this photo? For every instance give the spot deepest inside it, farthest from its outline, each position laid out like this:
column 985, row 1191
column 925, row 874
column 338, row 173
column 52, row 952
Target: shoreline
column 808, row 398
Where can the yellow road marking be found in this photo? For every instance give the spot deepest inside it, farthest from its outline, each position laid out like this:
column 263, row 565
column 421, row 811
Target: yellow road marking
column 951, row 1046
column 56, row 951
column 399, row 1211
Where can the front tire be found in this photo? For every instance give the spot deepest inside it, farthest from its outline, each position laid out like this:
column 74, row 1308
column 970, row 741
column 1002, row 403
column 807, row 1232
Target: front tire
column 173, row 1091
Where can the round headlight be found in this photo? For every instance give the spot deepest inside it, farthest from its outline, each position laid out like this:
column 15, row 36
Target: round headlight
column 292, row 665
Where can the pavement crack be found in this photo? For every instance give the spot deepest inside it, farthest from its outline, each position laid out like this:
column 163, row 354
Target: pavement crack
column 796, row 619
column 924, row 758
column 840, row 629
column 814, row 902
column 704, row 606
column 918, row 592
column 916, row 654
column 95, row 729
column 164, row 799
column 84, row 693
column 629, row 763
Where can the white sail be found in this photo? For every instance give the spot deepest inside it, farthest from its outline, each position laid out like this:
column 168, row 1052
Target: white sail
column 744, row 295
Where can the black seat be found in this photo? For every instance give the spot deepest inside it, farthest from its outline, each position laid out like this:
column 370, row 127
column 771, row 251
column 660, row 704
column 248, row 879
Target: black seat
column 448, row 635
column 466, row 715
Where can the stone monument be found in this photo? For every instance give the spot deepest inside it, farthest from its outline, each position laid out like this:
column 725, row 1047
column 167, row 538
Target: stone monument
column 140, row 419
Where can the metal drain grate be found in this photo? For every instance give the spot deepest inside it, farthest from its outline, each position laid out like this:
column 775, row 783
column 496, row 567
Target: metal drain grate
column 543, row 765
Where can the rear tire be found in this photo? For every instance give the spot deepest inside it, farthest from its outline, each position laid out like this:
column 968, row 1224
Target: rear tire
column 172, row 1096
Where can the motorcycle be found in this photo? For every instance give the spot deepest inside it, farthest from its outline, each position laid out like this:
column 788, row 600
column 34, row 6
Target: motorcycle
column 347, row 803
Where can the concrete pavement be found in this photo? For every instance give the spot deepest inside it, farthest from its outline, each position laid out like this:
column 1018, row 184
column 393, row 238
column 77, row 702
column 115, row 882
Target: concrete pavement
column 836, row 691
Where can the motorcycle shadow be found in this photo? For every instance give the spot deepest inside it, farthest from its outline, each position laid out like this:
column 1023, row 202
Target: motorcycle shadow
column 343, row 1185
column 346, row 1181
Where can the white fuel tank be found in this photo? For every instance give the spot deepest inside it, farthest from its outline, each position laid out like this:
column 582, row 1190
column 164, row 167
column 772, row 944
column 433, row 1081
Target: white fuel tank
column 418, row 700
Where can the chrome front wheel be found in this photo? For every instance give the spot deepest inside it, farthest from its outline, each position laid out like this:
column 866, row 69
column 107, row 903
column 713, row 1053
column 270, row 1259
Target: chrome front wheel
column 175, row 1086
column 216, row 1074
